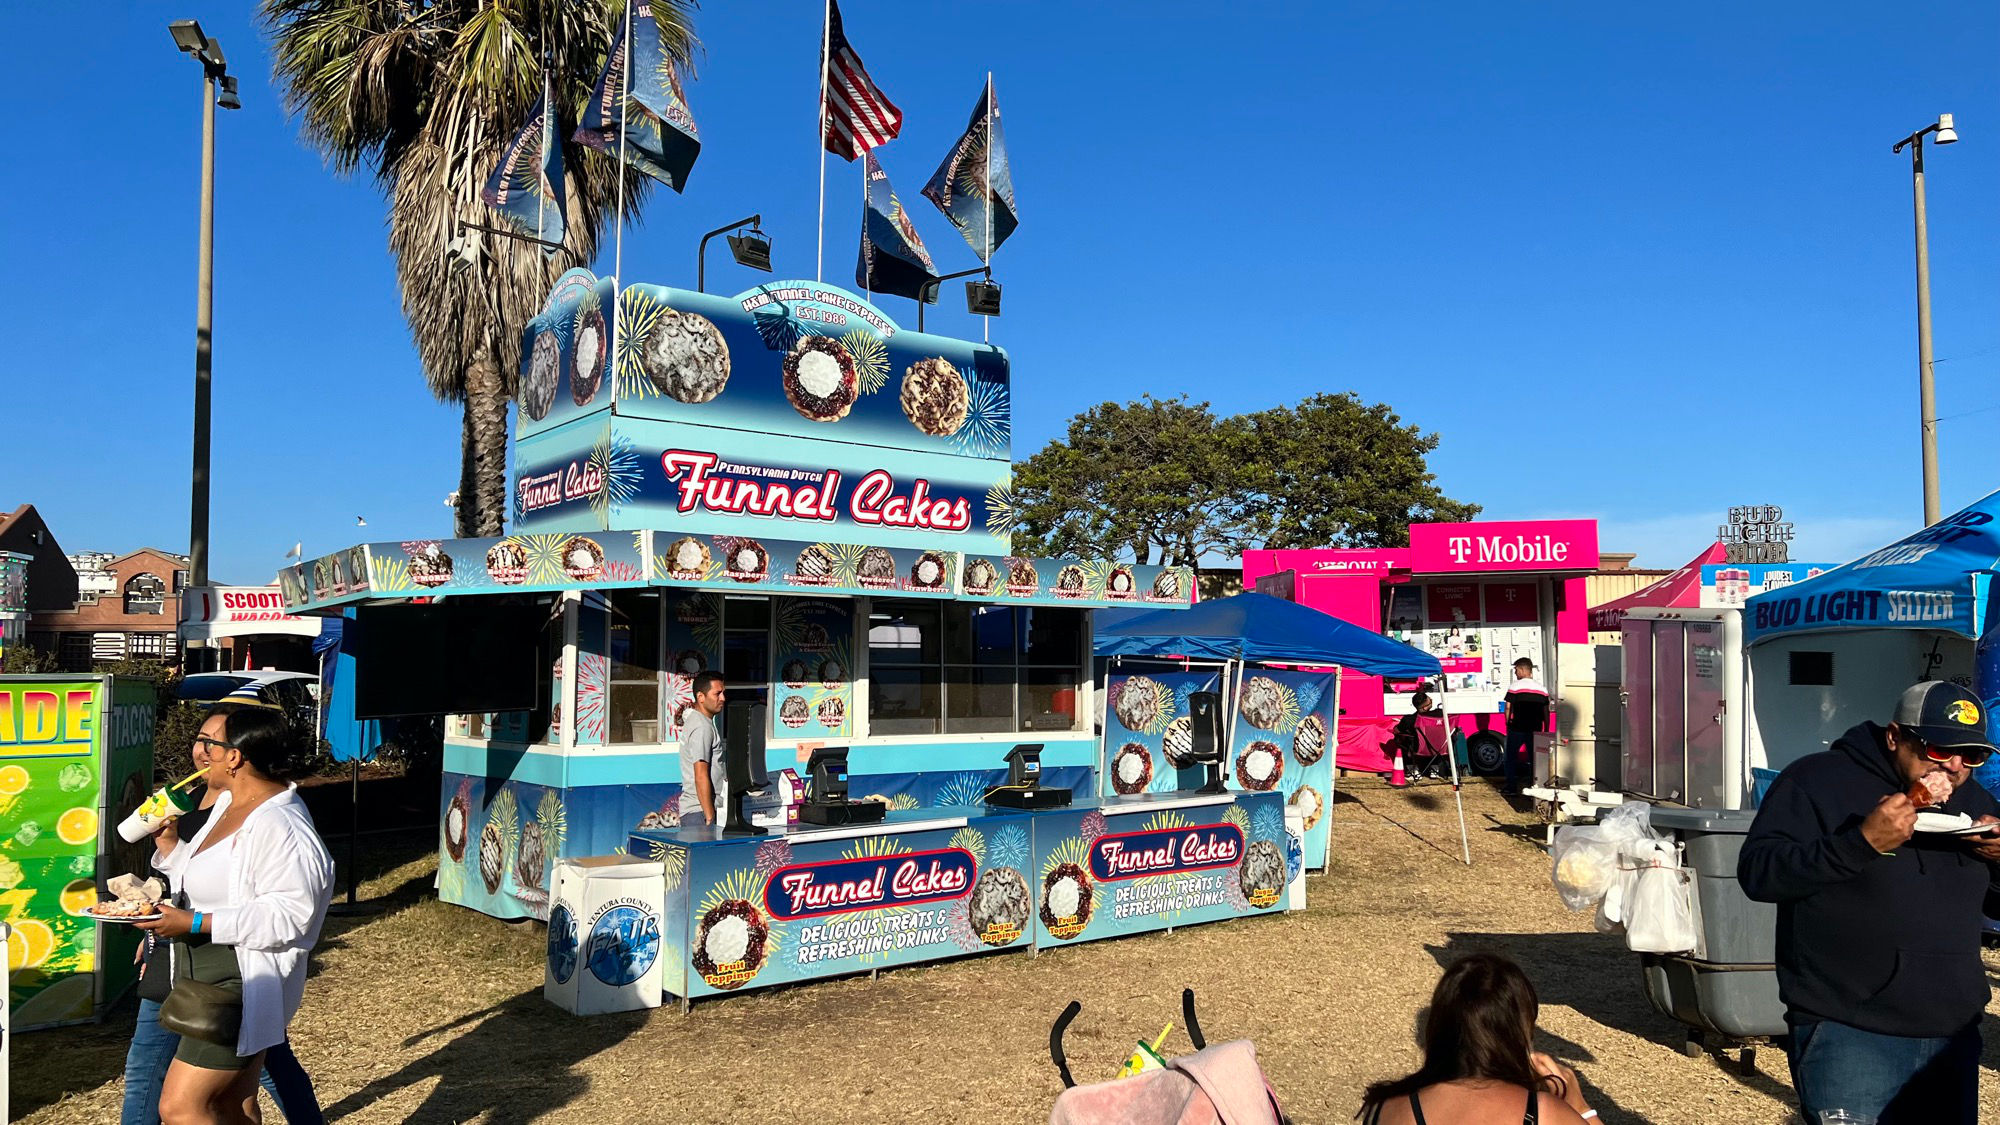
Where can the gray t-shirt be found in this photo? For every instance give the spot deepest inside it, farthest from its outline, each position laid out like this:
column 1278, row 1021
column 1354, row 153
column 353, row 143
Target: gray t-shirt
column 700, row 743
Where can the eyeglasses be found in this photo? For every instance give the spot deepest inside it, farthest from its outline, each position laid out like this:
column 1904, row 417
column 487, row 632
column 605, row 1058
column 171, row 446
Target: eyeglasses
column 1972, row 756
column 204, row 740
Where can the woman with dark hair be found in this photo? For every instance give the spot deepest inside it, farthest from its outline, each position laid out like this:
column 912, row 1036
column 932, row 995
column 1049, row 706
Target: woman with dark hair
column 1480, row 1066
column 257, row 881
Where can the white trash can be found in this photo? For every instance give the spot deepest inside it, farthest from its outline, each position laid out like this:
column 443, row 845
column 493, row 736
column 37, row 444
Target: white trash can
column 604, row 935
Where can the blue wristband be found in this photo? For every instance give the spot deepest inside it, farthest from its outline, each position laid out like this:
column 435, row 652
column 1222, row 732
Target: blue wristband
column 197, row 922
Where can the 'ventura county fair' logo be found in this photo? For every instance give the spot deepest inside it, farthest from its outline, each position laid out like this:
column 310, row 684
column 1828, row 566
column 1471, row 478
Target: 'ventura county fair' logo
column 709, row 483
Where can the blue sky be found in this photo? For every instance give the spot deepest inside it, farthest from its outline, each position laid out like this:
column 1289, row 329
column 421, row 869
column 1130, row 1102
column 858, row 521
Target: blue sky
column 1632, row 263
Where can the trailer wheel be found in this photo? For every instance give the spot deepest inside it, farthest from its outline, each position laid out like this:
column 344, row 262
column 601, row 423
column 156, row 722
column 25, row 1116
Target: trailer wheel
column 1486, row 753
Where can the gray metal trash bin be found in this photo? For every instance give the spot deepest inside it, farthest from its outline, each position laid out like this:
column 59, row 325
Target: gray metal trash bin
column 1729, row 985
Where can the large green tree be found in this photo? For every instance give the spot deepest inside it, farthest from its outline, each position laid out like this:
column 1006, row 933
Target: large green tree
column 424, row 96
column 1334, row 471
column 1151, row 479
column 1167, row 481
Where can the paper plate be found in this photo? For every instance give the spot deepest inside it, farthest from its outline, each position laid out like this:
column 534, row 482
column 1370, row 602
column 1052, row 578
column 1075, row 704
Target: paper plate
column 1953, row 823
column 125, row 919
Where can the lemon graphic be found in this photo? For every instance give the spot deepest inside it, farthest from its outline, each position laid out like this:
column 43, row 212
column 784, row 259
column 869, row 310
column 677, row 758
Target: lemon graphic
column 11, row 874
column 13, row 779
column 79, row 896
column 30, row 943
column 77, row 826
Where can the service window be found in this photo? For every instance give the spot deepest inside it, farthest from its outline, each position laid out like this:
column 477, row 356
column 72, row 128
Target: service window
column 636, row 662
column 942, row 668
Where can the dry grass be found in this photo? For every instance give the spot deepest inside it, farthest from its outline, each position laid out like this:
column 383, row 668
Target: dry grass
column 432, row 1013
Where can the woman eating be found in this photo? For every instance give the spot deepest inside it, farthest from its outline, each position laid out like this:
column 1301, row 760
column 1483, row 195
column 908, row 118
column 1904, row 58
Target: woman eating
column 257, row 881
column 1480, row 1066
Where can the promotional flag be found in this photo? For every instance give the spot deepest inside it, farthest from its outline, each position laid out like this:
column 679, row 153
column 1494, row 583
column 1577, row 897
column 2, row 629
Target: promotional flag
column 857, row 115
column 658, row 129
column 526, row 188
column 973, row 186
column 893, row 259
column 297, row 551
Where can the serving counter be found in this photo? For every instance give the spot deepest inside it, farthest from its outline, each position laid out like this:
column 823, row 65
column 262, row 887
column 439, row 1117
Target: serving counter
column 932, row 884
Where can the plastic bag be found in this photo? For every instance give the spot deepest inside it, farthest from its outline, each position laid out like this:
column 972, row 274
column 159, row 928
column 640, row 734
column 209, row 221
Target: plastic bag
column 1586, row 855
column 1658, row 905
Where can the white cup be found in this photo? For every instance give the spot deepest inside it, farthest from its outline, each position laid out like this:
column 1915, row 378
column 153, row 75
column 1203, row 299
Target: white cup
column 162, row 806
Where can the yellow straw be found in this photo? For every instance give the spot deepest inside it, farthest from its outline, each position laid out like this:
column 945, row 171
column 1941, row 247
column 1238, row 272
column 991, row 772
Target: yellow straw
column 191, row 777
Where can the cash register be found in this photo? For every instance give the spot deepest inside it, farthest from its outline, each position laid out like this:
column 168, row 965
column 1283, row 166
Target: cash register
column 826, row 792
column 1024, row 788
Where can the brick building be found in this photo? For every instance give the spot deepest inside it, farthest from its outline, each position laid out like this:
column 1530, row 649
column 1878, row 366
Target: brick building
column 127, row 606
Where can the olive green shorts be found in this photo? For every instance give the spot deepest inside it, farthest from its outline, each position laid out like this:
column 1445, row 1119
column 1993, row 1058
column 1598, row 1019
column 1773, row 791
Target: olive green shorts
column 213, row 964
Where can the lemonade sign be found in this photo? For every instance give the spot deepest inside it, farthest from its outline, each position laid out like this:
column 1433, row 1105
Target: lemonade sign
column 71, row 752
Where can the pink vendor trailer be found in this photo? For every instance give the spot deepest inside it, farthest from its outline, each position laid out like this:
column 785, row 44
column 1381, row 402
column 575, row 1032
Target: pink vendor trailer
column 1476, row 595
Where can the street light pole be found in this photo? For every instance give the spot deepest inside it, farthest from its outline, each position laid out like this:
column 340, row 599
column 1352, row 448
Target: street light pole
column 190, row 39
column 204, row 322
column 1926, row 387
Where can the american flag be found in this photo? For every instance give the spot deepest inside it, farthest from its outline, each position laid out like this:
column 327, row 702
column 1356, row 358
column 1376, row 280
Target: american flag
column 858, row 116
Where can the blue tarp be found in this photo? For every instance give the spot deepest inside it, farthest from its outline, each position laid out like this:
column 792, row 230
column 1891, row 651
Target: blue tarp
column 350, row 737
column 1259, row 627
column 1937, row 578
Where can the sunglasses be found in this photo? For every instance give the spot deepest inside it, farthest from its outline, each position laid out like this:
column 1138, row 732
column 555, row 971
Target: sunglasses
column 1972, row 756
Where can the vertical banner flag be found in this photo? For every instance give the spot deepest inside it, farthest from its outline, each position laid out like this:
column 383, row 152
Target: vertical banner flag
column 893, row 259
column 973, row 186
column 660, row 135
column 526, row 187
column 858, row 116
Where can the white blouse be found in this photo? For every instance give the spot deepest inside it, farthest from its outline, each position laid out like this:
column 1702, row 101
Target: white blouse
column 280, row 879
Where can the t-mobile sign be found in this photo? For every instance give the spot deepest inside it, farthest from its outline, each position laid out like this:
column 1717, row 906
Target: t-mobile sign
column 1442, row 548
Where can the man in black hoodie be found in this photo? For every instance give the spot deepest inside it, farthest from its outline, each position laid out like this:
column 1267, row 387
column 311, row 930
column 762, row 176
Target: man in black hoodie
column 1879, row 923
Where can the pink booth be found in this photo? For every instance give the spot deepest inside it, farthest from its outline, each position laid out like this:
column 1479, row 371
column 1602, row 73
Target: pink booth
column 1476, row 595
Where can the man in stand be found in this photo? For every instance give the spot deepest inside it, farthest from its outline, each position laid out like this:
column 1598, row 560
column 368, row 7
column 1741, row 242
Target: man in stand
column 702, row 768
column 1527, row 707
column 1879, row 924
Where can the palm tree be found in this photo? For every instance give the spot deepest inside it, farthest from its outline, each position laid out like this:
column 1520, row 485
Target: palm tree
column 425, row 95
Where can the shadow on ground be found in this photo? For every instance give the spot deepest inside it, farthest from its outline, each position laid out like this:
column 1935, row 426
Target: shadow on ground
column 1598, row 978
column 510, row 1093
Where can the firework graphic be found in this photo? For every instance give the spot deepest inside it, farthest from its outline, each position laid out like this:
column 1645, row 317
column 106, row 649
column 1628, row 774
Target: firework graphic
column 593, row 674
column 1093, row 826
column 618, row 570
column 1239, row 818
column 871, row 359
column 903, row 802
column 967, row 788
column 846, row 562
column 972, row 840
column 388, row 575
column 638, row 314
column 545, row 557
column 958, row 921
column 1008, row 848
column 680, row 694
column 971, row 178
column 1309, row 695
column 771, row 855
column 778, row 331
column 988, row 429
column 674, row 859
column 1232, row 889
column 451, row 883
column 549, row 813
column 619, row 467
column 1270, row 824
column 1001, row 517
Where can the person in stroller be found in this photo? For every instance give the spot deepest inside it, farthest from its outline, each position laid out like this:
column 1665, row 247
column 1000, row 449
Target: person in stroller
column 1480, row 1066
column 1425, row 758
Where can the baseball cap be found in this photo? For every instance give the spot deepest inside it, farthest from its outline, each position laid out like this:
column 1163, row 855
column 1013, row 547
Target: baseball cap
column 1943, row 714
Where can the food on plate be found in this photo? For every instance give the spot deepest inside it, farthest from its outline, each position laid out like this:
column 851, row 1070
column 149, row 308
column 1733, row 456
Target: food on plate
column 1934, row 788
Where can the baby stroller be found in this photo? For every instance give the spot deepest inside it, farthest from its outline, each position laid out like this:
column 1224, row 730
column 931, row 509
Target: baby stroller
column 1219, row 1085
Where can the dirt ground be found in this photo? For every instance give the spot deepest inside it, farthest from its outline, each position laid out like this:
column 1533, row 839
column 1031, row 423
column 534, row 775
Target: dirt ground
column 424, row 1012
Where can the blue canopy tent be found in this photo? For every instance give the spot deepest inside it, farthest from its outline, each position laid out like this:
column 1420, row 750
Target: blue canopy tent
column 1251, row 628
column 1931, row 590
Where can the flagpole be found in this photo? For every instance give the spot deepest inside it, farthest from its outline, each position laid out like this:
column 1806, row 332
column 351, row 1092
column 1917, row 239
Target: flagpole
column 867, row 279
column 618, row 217
column 825, row 45
column 986, row 322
